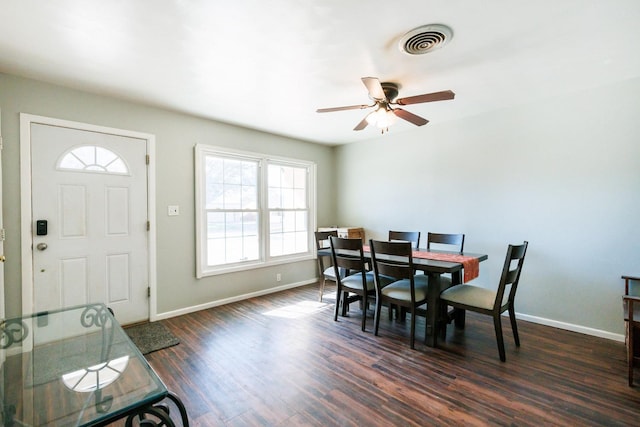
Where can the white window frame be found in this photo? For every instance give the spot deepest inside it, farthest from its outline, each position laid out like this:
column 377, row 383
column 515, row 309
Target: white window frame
column 264, row 259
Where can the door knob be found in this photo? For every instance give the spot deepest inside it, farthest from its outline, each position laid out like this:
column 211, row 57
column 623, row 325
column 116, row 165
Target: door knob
column 41, row 246
column 2, row 258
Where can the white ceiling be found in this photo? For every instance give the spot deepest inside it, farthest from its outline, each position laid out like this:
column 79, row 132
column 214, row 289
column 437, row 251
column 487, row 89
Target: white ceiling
column 269, row 65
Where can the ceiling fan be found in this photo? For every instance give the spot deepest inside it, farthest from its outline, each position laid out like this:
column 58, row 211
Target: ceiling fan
column 383, row 96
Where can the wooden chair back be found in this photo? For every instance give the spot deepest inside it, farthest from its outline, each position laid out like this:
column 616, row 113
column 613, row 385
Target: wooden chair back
column 510, row 276
column 393, row 258
column 347, row 255
column 456, row 240
column 406, row 236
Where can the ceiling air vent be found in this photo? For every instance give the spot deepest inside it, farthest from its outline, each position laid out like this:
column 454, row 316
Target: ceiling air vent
column 425, row 39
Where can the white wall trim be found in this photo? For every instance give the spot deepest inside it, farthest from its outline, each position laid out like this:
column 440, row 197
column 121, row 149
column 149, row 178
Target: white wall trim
column 534, row 319
column 211, row 304
column 571, row 327
column 526, row 317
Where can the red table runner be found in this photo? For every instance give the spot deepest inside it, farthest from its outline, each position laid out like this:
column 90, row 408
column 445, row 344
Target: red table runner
column 470, row 264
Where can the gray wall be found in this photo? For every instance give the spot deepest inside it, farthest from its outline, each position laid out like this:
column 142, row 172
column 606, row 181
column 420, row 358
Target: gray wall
column 176, row 134
column 563, row 174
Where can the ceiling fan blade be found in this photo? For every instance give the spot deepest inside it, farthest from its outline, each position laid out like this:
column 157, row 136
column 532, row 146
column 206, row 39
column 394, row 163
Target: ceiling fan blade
column 427, row 97
column 363, row 124
column 410, row 117
column 349, row 107
column 374, row 87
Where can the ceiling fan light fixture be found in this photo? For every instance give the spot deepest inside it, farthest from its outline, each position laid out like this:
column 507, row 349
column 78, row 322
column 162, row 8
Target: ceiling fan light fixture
column 382, row 118
column 425, row 39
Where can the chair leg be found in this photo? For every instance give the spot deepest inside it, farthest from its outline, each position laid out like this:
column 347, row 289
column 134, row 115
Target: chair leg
column 413, row 326
column 442, row 319
column 514, row 326
column 459, row 316
column 345, row 303
column 322, row 282
column 338, row 300
column 376, row 316
column 498, row 327
column 364, row 310
column 630, row 345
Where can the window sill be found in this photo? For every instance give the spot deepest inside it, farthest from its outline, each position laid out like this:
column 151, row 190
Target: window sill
column 254, row 265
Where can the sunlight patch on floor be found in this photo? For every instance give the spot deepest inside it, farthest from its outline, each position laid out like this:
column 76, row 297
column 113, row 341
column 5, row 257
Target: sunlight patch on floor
column 298, row 310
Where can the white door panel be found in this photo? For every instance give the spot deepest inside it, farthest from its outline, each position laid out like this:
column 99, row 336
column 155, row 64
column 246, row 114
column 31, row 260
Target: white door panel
column 91, row 188
column 1, row 252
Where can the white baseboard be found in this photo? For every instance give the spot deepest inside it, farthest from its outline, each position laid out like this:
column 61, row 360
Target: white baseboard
column 571, row 327
column 526, row 317
column 211, row 304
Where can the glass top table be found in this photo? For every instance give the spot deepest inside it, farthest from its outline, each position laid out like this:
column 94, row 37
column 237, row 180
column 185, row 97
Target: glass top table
column 76, row 367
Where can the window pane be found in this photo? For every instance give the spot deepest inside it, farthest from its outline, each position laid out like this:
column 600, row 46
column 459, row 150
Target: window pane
column 275, row 198
column 274, row 176
column 287, row 198
column 300, row 178
column 215, row 192
column 249, row 197
column 231, row 184
column 232, row 237
column 70, row 161
column 93, row 158
column 104, row 156
column 287, row 187
column 286, row 177
column 214, row 169
column 275, row 222
column 275, row 245
column 86, row 154
column 302, row 241
column 301, row 221
column 117, row 166
column 232, row 171
column 300, row 199
column 249, row 173
column 232, row 196
column 288, row 221
column 289, row 243
column 288, row 232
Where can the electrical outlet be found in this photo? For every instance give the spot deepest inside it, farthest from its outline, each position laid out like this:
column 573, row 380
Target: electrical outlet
column 278, row 277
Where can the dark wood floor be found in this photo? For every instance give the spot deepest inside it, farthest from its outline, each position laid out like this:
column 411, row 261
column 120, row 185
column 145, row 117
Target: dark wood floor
column 281, row 360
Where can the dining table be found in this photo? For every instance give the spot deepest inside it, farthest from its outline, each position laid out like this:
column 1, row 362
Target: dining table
column 462, row 266
column 76, row 366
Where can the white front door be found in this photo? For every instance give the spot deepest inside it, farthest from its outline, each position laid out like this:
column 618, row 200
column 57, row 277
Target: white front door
column 1, row 241
column 89, row 220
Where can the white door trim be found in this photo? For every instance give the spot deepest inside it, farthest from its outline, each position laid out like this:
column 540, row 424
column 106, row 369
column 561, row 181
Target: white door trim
column 26, row 227
column 2, row 315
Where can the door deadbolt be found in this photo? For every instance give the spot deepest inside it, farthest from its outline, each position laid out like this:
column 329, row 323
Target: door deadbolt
column 41, row 246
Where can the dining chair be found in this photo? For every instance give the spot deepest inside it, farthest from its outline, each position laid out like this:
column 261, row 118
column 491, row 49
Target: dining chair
column 492, row 302
column 356, row 283
column 406, row 236
column 325, row 265
column 631, row 304
column 454, row 243
column 403, row 236
column 395, row 280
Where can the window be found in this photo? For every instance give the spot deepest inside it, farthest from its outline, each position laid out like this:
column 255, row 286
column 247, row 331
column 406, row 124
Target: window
column 251, row 210
column 92, row 158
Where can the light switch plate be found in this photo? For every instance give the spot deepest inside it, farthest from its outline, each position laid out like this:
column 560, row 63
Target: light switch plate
column 173, row 210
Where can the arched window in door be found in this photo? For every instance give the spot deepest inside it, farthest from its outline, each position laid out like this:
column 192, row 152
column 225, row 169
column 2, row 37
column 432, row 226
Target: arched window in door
column 92, row 158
